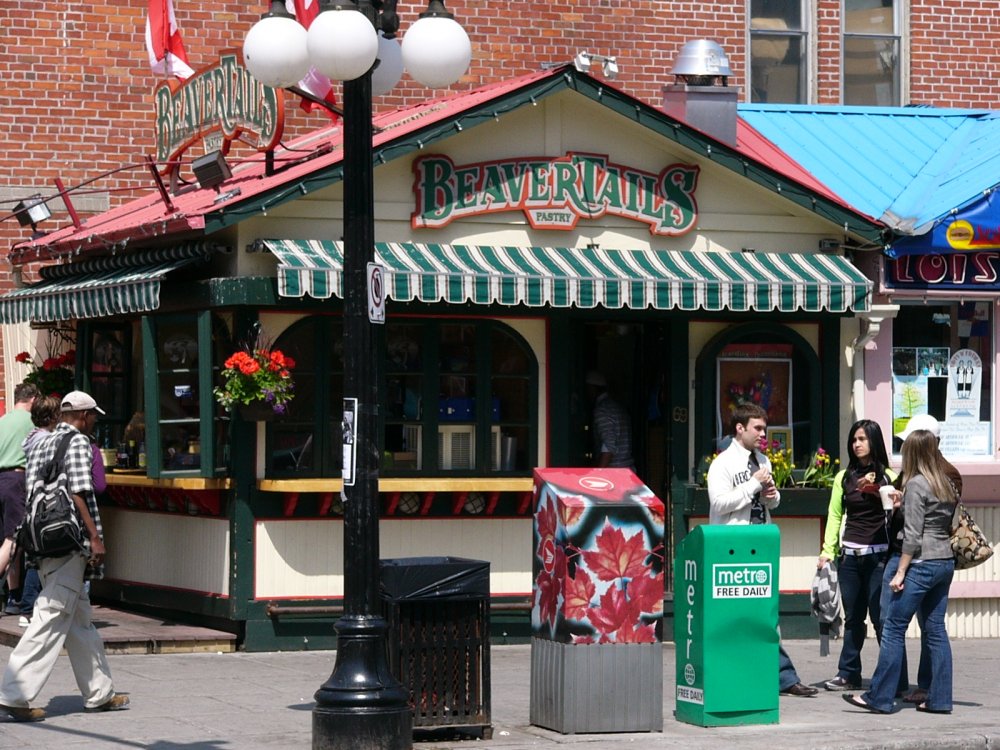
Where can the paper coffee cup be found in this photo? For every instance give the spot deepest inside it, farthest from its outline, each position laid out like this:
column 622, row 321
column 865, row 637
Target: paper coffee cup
column 886, row 494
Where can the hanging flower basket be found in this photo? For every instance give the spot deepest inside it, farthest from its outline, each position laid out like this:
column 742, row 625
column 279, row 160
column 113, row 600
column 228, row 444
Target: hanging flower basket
column 53, row 376
column 258, row 411
column 257, row 382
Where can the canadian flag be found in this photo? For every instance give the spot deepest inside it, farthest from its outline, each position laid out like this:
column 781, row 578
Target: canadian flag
column 314, row 82
column 163, row 41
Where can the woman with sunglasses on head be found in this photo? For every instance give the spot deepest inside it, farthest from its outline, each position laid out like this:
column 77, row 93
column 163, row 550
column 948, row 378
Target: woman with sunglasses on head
column 857, row 537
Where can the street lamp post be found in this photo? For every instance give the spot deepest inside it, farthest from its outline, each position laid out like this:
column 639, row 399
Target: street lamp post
column 361, row 705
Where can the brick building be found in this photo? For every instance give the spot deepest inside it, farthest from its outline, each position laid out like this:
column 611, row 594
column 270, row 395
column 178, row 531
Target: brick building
column 77, row 103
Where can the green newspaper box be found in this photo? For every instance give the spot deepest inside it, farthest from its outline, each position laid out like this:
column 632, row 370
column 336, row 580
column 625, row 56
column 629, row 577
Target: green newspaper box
column 725, row 625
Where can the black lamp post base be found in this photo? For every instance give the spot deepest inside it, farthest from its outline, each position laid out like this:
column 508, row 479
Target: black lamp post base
column 362, row 706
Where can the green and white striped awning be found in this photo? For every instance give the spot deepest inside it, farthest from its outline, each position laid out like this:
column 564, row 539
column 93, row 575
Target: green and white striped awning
column 98, row 287
column 584, row 277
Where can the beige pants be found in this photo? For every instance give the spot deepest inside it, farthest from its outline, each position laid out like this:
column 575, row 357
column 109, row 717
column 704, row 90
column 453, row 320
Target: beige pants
column 62, row 617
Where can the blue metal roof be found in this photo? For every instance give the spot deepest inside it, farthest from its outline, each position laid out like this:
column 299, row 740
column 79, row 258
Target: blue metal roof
column 909, row 166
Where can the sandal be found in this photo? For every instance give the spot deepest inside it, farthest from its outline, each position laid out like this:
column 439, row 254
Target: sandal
column 922, row 707
column 857, row 702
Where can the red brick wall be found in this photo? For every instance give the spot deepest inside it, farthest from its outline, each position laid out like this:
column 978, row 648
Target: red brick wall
column 75, row 97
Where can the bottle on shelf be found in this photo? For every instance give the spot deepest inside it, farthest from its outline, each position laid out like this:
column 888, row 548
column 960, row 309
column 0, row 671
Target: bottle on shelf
column 121, row 461
column 141, row 459
column 133, row 455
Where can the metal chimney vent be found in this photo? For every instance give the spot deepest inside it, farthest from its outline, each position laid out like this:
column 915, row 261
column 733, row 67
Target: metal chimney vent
column 701, row 62
column 701, row 96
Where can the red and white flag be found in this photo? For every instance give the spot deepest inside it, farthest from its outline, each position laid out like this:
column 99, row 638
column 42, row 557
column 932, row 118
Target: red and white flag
column 163, row 41
column 314, row 82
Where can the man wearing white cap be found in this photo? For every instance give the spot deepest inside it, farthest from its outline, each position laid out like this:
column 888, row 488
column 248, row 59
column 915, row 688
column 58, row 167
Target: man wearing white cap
column 62, row 614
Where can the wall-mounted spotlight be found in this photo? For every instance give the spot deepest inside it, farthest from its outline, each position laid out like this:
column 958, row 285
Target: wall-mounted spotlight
column 211, row 170
column 32, row 210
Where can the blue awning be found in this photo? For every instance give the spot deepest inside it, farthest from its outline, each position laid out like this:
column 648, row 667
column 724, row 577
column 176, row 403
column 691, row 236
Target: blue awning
column 971, row 229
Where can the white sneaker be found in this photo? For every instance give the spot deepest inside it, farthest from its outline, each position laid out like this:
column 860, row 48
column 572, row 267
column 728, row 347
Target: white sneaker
column 23, row 621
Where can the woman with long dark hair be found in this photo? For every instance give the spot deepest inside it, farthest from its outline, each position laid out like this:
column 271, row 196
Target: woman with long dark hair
column 858, row 538
column 922, row 580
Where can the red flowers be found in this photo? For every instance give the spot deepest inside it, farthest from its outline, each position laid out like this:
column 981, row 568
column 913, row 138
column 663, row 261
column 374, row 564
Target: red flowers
column 258, row 375
column 54, row 376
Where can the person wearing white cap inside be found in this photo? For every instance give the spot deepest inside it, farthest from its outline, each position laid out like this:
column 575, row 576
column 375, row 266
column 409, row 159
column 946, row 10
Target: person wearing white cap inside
column 62, row 615
column 921, row 422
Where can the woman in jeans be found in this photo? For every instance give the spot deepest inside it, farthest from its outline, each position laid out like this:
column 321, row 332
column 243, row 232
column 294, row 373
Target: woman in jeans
column 922, row 579
column 856, row 529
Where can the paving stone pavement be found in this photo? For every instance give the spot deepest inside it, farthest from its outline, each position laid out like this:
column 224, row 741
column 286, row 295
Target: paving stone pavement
column 241, row 701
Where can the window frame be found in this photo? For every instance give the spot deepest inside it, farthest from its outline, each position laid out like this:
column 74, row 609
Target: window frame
column 900, row 82
column 806, row 35
column 430, row 372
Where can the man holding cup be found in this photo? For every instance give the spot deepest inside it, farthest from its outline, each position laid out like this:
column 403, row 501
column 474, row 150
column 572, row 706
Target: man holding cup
column 741, row 490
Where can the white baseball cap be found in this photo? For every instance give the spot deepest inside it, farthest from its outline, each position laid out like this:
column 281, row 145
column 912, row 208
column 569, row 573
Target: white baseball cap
column 80, row 401
column 921, row 422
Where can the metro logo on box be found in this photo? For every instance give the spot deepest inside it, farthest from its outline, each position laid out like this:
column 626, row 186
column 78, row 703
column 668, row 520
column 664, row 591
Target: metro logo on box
column 741, row 580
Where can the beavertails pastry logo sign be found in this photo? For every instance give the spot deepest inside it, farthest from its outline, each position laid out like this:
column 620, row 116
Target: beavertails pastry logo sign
column 216, row 105
column 555, row 193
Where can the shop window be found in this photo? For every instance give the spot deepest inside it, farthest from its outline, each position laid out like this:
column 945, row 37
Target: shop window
column 871, row 52
column 306, row 441
column 106, row 352
column 458, row 397
column 180, row 425
column 772, row 366
column 942, row 365
column 778, row 51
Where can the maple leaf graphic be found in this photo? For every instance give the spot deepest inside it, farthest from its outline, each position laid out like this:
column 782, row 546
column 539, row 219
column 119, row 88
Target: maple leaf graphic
column 577, row 595
column 614, row 612
column 646, row 593
column 636, row 634
column 548, row 598
column 545, row 520
column 571, row 509
column 615, row 556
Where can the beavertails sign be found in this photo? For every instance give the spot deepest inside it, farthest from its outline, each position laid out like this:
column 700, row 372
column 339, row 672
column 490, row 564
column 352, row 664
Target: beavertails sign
column 222, row 100
column 555, row 193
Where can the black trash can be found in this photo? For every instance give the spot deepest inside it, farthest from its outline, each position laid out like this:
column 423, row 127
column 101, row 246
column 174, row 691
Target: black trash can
column 438, row 612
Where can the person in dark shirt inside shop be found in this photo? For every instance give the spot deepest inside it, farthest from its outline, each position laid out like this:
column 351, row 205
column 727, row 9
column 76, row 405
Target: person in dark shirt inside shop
column 611, row 424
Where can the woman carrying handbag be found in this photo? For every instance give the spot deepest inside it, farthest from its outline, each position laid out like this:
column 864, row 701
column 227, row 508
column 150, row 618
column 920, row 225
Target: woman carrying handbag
column 922, row 580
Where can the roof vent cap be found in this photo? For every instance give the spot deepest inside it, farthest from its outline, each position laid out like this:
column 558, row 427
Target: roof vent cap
column 702, row 62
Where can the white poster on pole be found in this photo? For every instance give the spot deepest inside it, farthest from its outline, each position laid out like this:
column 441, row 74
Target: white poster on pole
column 350, row 452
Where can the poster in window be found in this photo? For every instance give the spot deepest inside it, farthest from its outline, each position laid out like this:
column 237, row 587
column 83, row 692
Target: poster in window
column 755, row 373
column 965, row 375
column 780, row 438
column 909, row 397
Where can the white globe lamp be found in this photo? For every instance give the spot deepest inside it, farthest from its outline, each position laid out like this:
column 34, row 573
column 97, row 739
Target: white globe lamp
column 436, row 50
column 390, row 66
column 342, row 44
column 274, row 51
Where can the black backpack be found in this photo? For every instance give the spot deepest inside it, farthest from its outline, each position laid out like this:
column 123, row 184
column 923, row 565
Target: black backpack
column 51, row 526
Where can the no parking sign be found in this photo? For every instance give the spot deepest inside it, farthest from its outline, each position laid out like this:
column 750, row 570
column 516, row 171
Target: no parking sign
column 376, row 293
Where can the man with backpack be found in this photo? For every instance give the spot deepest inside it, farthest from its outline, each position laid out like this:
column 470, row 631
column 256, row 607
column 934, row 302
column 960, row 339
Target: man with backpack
column 62, row 612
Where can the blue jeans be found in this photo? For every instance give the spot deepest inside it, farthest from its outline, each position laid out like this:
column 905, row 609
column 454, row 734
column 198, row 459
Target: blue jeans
column 787, row 676
column 29, row 591
column 924, row 670
column 860, row 581
column 925, row 594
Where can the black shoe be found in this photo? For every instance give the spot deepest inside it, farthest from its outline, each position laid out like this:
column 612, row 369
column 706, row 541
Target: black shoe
column 858, row 702
column 841, row 683
column 800, row 691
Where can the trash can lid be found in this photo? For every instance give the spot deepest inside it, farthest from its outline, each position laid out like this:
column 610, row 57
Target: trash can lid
column 412, row 578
